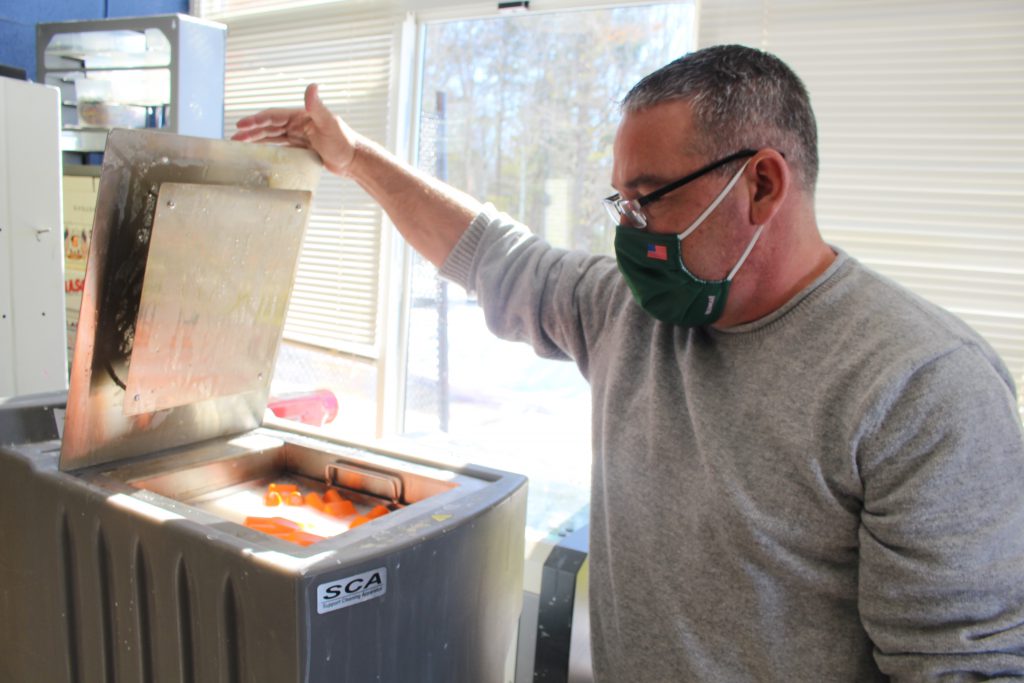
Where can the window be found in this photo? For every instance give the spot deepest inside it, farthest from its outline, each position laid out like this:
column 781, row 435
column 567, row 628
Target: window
column 333, row 334
column 521, row 111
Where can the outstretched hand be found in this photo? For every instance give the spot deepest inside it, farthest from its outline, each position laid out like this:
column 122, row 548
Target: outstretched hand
column 313, row 127
column 431, row 215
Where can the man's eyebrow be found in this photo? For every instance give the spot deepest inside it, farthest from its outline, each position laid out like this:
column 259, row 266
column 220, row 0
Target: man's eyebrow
column 648, row 179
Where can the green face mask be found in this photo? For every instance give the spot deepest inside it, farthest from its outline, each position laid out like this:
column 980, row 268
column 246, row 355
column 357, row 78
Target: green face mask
column 652, row 265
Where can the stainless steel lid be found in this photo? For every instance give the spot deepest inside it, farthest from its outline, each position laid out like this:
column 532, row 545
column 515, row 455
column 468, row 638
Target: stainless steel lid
column 193, row 255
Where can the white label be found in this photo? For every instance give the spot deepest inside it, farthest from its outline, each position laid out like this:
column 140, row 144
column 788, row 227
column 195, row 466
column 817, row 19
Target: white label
column 351, row 590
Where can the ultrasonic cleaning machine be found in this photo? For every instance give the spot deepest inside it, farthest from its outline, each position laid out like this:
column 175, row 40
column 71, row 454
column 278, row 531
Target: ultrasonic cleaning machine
column 165, row 535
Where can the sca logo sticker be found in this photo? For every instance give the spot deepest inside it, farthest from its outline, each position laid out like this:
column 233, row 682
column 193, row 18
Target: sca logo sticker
column 351, row 590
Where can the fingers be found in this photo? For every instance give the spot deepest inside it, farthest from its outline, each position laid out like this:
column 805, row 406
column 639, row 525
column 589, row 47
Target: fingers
column 273, row 136
column 314, row 127
column 271, row 125
column 278, row 117
column 285, row 140
column 259, row 134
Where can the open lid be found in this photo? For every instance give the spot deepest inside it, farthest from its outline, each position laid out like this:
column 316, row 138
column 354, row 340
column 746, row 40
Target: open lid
column 193, row 254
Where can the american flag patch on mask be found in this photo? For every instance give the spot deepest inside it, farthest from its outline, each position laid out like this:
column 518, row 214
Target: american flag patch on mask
column 657, row 252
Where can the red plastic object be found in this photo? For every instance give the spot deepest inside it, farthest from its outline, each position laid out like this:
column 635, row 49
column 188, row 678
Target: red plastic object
column 315, row 408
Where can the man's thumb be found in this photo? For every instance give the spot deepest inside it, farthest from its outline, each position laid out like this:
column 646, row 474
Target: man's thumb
column 314, row 106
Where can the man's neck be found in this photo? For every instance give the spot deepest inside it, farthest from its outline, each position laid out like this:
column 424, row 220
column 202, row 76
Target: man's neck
column 795, row 257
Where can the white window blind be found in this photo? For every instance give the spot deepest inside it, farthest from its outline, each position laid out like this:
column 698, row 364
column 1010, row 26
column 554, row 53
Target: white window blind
column 271, row 56
column 226, row 10
column 919, row 107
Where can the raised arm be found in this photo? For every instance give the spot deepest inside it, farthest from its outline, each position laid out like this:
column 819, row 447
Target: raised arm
column 430, row 214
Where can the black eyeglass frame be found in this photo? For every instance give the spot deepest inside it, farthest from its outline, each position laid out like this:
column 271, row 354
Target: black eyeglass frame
column 617, row 206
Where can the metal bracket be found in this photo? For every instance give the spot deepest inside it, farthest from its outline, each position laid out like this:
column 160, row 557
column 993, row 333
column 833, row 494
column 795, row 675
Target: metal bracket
column 510, row 6
column 363, row 480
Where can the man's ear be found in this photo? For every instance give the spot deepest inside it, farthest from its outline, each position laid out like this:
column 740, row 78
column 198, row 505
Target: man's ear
column 770, row 182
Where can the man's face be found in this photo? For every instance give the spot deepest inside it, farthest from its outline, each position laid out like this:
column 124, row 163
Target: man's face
column 653, row 148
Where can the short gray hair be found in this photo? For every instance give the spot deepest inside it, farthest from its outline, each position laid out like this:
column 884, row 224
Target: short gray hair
column 741, row 98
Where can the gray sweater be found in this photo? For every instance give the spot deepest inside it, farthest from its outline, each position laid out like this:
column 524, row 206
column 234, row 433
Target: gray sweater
column 832, row 493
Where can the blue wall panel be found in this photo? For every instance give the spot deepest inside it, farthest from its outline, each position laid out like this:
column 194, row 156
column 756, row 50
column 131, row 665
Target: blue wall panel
column 145, row 8
column 17, row 45
column 18, row 19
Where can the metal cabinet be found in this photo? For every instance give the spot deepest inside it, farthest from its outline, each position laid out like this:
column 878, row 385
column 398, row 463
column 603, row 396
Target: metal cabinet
column 32, row 338
column 164, row 72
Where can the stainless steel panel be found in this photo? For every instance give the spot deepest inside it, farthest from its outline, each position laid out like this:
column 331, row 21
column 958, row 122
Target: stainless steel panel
column 101, row 424
column 204, row 331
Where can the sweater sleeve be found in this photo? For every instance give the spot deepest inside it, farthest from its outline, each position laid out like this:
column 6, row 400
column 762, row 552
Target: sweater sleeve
column 558, row 301
column 942, row 527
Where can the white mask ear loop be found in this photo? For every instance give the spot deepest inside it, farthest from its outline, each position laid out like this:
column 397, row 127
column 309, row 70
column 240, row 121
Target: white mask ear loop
column 718, row 200
column 750, row 247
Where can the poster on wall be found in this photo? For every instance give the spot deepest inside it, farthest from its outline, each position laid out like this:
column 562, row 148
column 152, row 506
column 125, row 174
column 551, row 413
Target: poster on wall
column 79, row 208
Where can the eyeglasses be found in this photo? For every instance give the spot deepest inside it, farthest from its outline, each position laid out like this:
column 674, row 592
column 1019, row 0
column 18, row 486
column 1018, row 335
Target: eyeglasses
column 631, row 211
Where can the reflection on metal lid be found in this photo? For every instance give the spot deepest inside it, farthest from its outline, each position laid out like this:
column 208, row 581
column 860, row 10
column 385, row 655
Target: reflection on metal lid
column 215, row 293
column 256, row 442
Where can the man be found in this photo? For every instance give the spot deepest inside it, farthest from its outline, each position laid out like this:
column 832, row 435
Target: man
column 802, row 472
